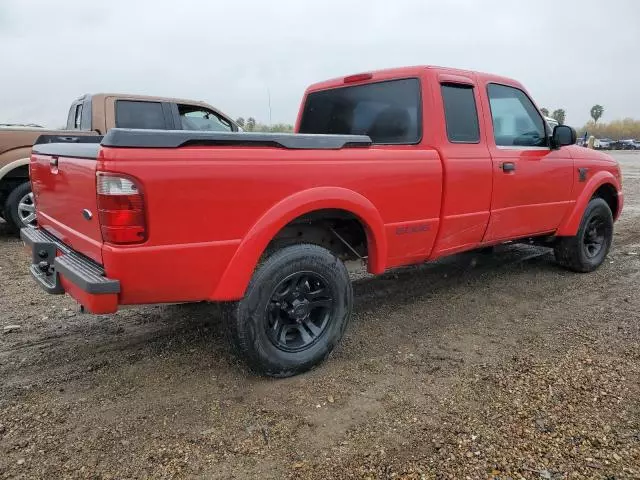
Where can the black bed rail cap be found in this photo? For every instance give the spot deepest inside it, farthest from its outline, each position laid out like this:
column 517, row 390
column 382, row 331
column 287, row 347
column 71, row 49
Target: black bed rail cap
column 87, row 151
column 134, row 138
column 67, row 138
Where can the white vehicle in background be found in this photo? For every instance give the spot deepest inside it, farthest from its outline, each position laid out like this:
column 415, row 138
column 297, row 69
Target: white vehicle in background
column 602, row 143
column 552, row 122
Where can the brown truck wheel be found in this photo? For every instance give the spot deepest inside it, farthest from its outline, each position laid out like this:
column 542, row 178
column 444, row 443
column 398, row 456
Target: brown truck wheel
column 19, row 208
column 589, row 247
column 294, row 311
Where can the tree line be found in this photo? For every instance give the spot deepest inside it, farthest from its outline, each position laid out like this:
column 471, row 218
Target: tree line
column 250, row 125
column 626, row 128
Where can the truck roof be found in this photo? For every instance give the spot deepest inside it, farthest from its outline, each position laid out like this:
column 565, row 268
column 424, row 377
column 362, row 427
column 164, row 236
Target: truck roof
column 413, row 71
column 150, row 98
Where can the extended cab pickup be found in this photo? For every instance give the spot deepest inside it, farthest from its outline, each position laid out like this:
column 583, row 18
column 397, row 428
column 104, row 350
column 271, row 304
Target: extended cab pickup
column 394, row 167
column 92, row 115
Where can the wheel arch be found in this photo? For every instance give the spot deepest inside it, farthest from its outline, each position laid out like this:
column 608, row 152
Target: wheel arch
column 234, row 281
column 604, row 185
column 13, row 165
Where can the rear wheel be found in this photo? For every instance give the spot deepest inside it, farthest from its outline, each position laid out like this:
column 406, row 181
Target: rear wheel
column 589, row 247
column 19, row 208
column 294, row 311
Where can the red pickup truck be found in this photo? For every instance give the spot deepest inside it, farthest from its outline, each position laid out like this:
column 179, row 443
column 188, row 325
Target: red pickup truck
column 395, row 167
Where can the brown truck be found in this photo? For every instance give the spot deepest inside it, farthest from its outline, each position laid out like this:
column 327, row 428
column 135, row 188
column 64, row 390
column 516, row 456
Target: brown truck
column 92, row 115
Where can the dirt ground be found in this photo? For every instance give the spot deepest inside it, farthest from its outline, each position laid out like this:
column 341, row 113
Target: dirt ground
column 480, row 366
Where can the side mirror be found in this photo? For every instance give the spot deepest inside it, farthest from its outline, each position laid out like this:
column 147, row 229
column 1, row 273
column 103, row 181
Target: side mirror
column 563, row 135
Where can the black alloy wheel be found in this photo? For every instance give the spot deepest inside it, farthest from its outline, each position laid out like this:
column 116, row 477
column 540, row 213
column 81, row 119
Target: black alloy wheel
column 299, row 311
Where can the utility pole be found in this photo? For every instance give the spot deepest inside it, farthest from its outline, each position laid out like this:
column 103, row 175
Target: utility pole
column 269, row 96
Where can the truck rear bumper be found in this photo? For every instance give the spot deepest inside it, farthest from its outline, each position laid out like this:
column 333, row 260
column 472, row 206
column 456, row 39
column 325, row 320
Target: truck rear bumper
column 58, row 269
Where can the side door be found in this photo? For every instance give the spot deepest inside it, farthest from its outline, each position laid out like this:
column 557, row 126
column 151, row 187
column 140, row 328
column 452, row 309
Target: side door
column 531, row 182
column 467, row 168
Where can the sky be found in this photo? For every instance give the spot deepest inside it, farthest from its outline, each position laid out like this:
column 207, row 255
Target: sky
column 235, row 54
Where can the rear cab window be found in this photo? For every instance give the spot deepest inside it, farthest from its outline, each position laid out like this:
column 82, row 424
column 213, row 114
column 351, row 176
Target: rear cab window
column 516, row 120
column 140, row 114
column 461, row 114
column 388, row 112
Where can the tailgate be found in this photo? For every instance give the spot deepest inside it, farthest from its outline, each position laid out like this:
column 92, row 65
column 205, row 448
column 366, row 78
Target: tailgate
column 63, row 178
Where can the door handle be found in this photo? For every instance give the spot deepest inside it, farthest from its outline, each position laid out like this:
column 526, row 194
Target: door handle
column 53, row 165
column 508, row 167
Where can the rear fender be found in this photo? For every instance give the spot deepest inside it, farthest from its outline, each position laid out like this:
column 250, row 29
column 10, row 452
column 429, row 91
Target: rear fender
column 236, row 277
column 571, row 223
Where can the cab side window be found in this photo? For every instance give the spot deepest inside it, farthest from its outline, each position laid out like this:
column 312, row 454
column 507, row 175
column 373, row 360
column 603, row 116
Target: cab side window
column 516, row 121
column 198, row 118
column 461, row 115
column 139, row 114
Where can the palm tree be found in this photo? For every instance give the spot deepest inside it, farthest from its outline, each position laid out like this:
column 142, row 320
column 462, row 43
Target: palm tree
column 596, row 112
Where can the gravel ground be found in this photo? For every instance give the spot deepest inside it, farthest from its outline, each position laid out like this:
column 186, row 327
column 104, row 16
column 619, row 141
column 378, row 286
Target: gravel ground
column 480, row 366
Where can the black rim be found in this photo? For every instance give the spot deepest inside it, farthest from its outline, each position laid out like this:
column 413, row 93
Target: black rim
column 594, row 237
column 299, row 311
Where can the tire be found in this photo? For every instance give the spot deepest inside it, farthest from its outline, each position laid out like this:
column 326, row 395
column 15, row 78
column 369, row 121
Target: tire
column 11, row 211
column 596, row 228
column 270, row 307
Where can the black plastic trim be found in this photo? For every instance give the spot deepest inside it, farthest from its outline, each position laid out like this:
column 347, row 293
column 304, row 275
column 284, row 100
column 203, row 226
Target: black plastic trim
column 78, row 269
column 175, row 116
column 135, row 138
column 169, row 118
column 71, row 138
column 71, row 149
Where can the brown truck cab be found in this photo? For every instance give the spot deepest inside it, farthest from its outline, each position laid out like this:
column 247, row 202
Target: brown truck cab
column 93, row 115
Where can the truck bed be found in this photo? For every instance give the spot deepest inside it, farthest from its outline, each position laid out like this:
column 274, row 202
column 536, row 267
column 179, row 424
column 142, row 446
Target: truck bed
column 213, row 201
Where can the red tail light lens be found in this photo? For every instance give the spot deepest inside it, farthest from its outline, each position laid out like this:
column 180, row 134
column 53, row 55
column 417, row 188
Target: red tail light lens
column 120, row 209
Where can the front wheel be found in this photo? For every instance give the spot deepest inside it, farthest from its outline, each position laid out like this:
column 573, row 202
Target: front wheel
column 294, row 312
column 589, row 247
column 19, row 208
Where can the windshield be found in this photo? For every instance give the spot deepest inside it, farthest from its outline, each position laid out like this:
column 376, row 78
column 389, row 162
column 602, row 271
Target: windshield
column 388, row 112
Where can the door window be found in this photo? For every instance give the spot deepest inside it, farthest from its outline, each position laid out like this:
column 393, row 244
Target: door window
column 197, row 118
column 516, row 121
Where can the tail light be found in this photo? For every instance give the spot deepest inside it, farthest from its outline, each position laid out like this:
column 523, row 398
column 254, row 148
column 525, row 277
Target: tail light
column 120, row 209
